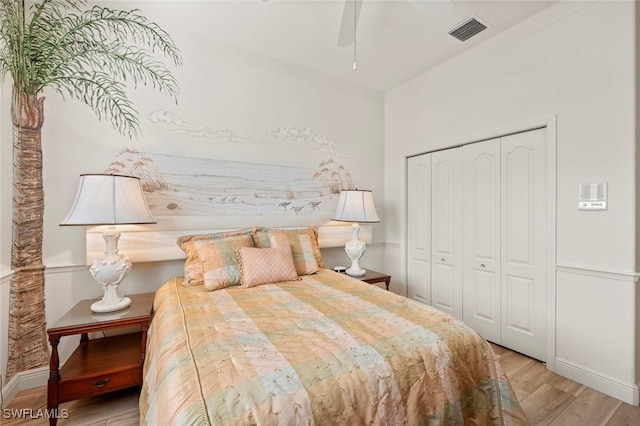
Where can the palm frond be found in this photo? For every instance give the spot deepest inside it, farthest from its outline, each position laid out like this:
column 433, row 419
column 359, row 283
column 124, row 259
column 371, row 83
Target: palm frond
column 12, row 37
column 123, row 62
column 106, row 96
column 65, row 46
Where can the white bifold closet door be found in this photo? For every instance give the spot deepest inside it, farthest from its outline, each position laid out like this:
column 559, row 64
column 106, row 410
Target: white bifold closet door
column 419, row 228
column 446, row 231
column 481, row 238
column 524, row 242
column 478, row 232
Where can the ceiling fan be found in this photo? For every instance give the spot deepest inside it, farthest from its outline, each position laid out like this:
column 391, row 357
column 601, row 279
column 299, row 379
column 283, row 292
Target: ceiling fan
column 351, row 13
column 349, row 27
column 349, row 23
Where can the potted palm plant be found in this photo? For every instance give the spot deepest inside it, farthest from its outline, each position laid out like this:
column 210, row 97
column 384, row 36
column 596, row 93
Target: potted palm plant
column 94, row 55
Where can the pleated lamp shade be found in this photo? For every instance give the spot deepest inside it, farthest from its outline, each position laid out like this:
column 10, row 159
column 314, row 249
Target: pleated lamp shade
column 356, row 206
column 105, row 199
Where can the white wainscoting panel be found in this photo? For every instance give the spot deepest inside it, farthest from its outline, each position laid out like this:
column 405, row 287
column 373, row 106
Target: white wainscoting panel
column 596, row 329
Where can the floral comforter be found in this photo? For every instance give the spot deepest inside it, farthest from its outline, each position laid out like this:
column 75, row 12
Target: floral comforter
column 327, row 349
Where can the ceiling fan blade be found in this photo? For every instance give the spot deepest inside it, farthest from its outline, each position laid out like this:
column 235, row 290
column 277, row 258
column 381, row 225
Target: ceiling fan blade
column 349, row 22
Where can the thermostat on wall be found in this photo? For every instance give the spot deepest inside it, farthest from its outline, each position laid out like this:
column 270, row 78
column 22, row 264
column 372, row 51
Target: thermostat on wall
column 592, row 196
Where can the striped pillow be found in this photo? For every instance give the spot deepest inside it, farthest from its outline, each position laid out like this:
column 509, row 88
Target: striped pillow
column 261, row 239
column 219, row 261
column 304, row 258
column 193, row 266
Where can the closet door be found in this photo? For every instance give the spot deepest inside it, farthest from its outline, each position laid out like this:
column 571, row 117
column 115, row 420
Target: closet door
column 419, row 228
column 446, row 231
column 481, row 238
column 524, row 242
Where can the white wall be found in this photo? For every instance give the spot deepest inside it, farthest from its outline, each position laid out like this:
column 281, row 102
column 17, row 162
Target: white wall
column 221, row 88
column 575, row 61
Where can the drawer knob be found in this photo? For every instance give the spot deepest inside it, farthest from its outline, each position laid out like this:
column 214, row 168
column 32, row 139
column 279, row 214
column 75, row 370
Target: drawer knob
column 101, row 383
column 482, row 265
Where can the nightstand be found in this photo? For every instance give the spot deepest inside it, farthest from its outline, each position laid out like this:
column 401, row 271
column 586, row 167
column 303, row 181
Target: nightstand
column 373, row 277
column 99, row 365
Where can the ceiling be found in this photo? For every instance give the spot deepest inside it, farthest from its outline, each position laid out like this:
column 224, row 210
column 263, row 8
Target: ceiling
column 396, row 39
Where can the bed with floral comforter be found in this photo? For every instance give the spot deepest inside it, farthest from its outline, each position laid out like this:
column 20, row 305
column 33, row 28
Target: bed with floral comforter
column 327, row 349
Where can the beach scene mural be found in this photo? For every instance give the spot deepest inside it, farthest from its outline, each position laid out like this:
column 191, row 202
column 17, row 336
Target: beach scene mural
column 189, row 186
column 177, row 185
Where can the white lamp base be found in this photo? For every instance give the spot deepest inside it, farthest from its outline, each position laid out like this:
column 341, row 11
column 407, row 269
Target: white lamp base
column 355, row 249
column 355, row 272
column 108, row 271
column 101, row 306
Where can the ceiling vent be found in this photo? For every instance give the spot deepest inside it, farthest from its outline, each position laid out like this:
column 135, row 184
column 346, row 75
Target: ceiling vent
column 467, row 29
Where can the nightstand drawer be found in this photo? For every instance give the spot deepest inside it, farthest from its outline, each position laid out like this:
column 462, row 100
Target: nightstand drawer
column 82, row 388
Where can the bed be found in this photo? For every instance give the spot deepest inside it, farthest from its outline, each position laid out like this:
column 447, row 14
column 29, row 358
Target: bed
column 322, row 349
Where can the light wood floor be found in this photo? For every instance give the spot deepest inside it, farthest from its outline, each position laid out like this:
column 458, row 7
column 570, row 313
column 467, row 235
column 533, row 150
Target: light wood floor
column 547, row 398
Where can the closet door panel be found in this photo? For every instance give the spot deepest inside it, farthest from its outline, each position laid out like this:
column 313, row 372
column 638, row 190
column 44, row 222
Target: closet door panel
column 481, row 238
column 446, row 232
column 419, row 228
column 524, row 242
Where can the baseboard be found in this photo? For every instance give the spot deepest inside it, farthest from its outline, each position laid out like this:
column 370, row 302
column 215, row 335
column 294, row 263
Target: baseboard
column 22, row 381
column 626, row 392
column 10, row 390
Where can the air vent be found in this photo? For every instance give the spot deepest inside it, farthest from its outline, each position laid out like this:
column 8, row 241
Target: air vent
column 468, row 29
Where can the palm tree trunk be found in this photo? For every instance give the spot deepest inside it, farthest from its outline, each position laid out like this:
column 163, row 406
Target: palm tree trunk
column 27, row 321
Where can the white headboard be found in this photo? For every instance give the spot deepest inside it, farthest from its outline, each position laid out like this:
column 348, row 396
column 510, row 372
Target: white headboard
column 152, row 243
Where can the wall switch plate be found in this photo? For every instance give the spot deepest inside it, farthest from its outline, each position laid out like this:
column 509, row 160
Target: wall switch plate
column 592, row 196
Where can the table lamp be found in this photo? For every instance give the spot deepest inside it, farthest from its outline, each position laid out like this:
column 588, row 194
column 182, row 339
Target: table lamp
column 355, row 206
column 106, row 199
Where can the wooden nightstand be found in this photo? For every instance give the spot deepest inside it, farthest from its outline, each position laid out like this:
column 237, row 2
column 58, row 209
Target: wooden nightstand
column 373, row 277
column 100, row 365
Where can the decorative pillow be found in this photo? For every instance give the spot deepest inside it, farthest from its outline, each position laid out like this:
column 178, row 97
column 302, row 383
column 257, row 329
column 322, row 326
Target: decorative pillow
column 193, row 266
column 304, row 257
column 261, row 239
column 265, row 265
column 219, row 260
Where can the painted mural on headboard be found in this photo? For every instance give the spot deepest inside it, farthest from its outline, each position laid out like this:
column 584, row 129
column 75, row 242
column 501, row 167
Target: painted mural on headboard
column 189, row 186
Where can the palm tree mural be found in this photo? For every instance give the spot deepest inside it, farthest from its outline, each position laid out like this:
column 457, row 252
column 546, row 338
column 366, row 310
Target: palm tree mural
column 92, row 55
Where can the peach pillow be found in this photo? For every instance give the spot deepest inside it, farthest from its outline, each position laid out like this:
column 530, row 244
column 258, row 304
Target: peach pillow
column 304, row 258
column 219, row 260
column 265, row 265
column 193, row 274
column 261, row 239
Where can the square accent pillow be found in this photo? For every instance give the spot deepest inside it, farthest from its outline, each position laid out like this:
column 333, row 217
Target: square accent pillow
column 261, row 239
column 304, row 258
column 193, row 266
column 219, row 260
column 265, row 265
